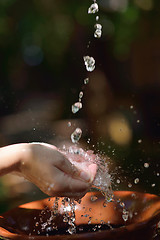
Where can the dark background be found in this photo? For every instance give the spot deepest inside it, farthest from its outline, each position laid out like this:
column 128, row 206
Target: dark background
column 42, row 44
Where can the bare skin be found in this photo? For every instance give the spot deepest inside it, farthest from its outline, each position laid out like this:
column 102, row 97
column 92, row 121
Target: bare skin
column 45, row 166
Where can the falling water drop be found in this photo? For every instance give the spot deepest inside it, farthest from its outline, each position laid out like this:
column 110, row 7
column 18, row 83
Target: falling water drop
column 80, row 94
column 129, row 185
column 98, row 31
column 125, row 217
column 76, row 107
column 146, row 165
column 97, row 18
column 89, row 63
column 136, row 180
column 93, row 8
column 93, row 198
column 140, row 141
column 69, row 124
column 86, row 80
column 118, row 181
column 76, row 135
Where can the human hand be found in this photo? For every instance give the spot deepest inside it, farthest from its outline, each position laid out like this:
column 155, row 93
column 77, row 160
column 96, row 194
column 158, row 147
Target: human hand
column 49, row 169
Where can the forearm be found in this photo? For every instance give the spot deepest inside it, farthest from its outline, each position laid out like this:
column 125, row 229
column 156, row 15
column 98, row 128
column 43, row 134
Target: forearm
column 11, row 158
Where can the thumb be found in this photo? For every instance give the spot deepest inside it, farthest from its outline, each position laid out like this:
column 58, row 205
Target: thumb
column 92, row 168
column 88, row 174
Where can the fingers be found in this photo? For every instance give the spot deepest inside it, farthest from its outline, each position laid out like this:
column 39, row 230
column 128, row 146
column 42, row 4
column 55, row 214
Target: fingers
column 64, row 185
column 56, row 175
column 70, row 169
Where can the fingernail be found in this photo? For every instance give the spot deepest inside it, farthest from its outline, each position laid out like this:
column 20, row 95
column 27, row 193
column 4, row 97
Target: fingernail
column 85, row 176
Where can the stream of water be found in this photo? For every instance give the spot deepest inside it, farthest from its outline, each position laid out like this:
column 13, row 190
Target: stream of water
column 102, row 181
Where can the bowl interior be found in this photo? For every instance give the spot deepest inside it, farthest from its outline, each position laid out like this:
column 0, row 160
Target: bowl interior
column 91, row 215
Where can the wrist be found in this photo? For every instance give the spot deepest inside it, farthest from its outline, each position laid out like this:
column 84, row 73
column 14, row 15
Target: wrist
column 12, row 157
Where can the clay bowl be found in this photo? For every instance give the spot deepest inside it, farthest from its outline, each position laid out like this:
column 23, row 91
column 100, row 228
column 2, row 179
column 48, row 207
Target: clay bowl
column 26, row 221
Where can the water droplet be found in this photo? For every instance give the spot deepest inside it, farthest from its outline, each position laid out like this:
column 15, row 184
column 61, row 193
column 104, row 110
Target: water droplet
column 86, row 80
column 153, row 185
column 37, row 223
column 89, row 63
column 93, row 198
column 93, row 8
column 69, row 124
column 48, row 229
column 138, row 121
column 81, row 94
column 98, row 26
column 125, row 217
column 118, row 181
column 76, row 107
column 105, row 204
column 129, row 185
column 140, row 141
column 98, row 33
column 94, row 229
column 89, row 222
column 109, row 198
column 131, row 107
column 97, row 18
column 76, row 135
column 136, row 180
column 71, row 230
column 158, row 174
column 81, row 229
column 122, row 204
column 146, row 165
column 65, row 219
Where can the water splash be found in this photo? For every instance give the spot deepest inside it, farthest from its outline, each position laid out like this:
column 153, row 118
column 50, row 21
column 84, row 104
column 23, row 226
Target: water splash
column 44, row 224
column 97, row 18
column 69, row 207
column 102, row 181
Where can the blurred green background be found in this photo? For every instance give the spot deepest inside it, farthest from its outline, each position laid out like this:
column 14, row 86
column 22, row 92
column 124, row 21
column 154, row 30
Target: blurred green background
column 42, row 44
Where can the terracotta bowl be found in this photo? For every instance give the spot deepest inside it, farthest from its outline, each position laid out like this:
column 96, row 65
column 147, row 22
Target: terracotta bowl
column 26, row 221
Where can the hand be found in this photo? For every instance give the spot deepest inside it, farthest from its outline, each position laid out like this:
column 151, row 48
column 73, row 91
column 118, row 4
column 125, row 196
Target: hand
column 53, row 173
